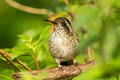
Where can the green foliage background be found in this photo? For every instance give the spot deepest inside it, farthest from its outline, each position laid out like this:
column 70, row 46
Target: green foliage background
column 23, row 33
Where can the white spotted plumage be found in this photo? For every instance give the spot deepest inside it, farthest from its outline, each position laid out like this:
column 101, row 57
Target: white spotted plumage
column 62, row 45
column 63, row 41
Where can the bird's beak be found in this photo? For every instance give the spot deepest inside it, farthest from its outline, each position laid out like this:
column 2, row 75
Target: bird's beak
column 53, row 22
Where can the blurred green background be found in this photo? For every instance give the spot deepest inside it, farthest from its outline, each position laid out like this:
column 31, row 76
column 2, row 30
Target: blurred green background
column 22, row 34
column 14, row 22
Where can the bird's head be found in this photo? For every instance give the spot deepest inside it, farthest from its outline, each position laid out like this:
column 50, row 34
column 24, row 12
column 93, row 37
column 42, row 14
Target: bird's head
column 62, row 22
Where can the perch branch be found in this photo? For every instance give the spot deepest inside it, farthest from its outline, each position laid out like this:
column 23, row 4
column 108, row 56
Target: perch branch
column 26, row 8
column 67, row 72
column 3, row 53
column 8, row 59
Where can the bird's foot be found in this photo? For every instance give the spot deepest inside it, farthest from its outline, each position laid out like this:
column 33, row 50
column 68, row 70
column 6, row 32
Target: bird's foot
column 75, row 62
column 60, row 68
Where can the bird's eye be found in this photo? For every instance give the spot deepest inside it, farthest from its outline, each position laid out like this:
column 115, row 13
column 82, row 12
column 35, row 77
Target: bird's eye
column 63, row 24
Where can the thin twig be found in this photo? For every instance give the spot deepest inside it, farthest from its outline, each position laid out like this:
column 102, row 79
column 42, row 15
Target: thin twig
column 90, row 2
column 84, row 32
column 72, row 16
column 89, row 49
column 84, row 56
column 8, row 59
column 66, row 2
column 22, row 64
column 17, row 60
column 26, row 8
column 90, row 53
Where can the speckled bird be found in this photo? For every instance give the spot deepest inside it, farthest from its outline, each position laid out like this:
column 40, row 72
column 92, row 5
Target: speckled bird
column 63, row 41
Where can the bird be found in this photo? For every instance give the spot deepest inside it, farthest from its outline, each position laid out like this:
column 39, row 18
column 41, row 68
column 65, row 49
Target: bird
column 63, row 41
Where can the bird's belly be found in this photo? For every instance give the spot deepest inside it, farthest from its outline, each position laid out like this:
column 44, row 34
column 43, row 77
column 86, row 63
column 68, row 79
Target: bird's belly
column 61, row 49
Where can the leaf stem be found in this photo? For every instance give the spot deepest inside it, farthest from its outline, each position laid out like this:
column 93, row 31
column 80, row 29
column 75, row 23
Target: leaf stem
column 36, row 61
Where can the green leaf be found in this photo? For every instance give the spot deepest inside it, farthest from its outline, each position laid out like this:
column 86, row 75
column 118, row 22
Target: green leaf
column 6, row 70
column 44, row 34
column 20, row 50
column 4, row 65
column 6, row 74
